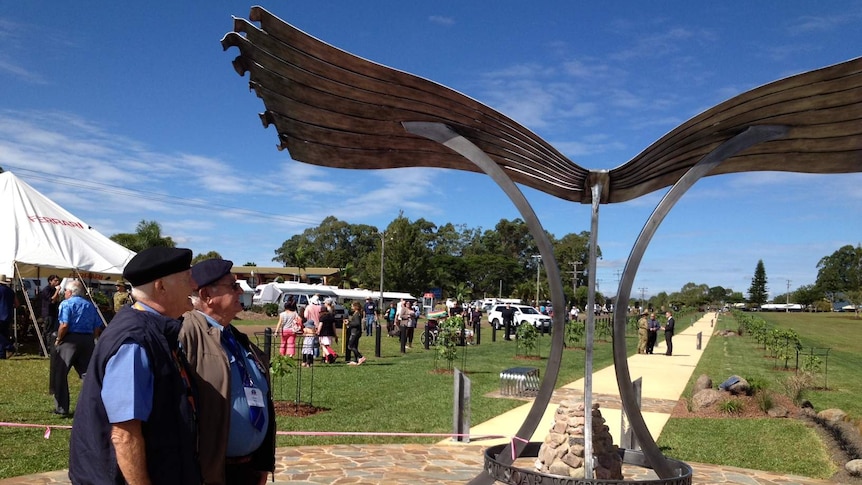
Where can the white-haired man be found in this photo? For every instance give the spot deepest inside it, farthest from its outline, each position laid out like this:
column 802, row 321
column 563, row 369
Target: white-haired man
column 135, row 419
column 80, row 326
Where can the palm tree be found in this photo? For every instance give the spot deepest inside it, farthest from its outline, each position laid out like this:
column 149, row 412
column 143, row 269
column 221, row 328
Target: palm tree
column 349, row 276
column 148, row 234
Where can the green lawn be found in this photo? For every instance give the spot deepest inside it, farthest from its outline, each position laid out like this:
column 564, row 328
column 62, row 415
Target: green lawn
column 397, row 393
column 784, row 446
column 393, row 393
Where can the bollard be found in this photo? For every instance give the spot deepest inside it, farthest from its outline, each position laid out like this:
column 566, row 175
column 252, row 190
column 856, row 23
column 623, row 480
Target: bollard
column 477, row 333
column 377, row 340
column 461, row 408
column 427, row 337
column 628, row 440
column 267, row 342
column 699, row 338
column 493, row 333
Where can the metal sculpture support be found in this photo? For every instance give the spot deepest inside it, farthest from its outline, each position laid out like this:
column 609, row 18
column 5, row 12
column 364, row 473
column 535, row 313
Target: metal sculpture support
column 446, row 136
column 664, row 468
column 334, row 109
column 746, row 139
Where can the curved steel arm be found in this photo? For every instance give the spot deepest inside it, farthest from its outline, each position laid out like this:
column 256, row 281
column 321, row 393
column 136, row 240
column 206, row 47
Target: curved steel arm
column 746, row 139
column 441, row 133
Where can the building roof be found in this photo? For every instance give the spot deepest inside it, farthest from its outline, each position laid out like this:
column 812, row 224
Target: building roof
column 284, row 271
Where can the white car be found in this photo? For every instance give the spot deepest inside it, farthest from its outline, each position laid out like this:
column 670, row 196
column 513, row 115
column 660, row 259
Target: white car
column 523, row 314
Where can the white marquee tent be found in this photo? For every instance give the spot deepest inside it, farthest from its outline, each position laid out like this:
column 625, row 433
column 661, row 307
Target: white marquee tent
column 38, row 237
column 37, row 233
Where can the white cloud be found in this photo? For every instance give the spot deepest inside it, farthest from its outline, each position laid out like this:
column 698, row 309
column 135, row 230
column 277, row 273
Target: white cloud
column 442, row 20
column 807, row 24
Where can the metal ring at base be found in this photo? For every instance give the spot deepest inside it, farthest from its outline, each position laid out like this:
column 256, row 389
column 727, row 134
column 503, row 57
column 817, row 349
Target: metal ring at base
column 520, row 476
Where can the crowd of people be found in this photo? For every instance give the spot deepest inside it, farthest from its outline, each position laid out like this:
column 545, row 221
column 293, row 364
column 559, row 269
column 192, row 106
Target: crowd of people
column 173, row 392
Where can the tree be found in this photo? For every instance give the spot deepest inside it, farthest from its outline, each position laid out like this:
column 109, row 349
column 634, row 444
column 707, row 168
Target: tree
column 807, row 295
column 573, row 252
column 718, row 295
column 210, row 255
column 841, row 271
column 348, row 276
column 855, row 299
column 757, row 292
column 148, row 234
column 693, row 295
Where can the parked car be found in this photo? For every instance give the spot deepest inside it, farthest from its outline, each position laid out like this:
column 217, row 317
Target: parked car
column 301, row 298
column 523, row 314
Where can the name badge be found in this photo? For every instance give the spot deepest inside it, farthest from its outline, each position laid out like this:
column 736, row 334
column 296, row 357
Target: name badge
column 254, row 397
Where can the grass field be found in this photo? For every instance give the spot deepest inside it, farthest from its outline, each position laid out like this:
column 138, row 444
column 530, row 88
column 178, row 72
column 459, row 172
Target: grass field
column 392, row 393
column 784, row 446
column 395, row 393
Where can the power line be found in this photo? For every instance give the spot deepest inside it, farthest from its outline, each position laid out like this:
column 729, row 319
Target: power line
column 103, row 188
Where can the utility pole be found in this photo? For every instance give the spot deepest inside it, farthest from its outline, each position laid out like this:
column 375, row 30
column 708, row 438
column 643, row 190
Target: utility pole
column 788, row 296
column 575, row 277
column 538, row 258
column 643, row 291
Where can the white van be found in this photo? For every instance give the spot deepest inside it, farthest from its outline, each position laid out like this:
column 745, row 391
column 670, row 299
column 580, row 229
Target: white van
column 301, row 292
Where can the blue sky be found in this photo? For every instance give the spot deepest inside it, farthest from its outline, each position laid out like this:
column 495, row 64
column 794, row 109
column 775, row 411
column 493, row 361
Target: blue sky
column 127, row 111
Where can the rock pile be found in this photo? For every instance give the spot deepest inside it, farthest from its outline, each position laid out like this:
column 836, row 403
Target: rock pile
column 562, row 452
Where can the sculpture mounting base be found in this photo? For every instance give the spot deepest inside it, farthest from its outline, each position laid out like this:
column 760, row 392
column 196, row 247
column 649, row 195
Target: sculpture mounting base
column 516, row 476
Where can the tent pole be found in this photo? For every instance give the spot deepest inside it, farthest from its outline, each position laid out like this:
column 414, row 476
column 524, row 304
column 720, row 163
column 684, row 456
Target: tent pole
column 87, row 289
column 32, row 314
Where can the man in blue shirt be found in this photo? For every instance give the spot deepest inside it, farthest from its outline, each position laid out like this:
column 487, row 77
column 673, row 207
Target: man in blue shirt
column 80, row 325
column 134, row 422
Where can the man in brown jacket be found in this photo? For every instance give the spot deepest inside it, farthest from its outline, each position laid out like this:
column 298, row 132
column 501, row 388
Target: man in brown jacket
column 236, row 417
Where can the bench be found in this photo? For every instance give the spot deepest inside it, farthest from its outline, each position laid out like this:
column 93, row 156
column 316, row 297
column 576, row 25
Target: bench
column 519, row 381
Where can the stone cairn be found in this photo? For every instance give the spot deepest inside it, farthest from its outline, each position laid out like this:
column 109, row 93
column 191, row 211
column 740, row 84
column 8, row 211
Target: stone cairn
column 562, row 452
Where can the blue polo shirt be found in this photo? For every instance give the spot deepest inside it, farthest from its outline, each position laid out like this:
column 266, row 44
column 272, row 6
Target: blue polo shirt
column 80, row 314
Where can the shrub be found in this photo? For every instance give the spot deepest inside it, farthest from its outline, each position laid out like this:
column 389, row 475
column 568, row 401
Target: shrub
column 100, row 300
column 764, row 401
column 796, row 386
column 574, row 332
column 731, row 406
column 450, row 332
column 757, row 384
column 528, row 337
column 811, row 364
column 270, row 309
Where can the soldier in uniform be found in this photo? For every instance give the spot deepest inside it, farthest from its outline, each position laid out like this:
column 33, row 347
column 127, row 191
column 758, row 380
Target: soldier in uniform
column 121, row 297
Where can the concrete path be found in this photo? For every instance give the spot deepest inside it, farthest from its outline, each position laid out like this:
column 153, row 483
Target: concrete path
column 664, row 379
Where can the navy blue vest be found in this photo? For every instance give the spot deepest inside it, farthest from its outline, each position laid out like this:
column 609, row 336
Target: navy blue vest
column 169, row 433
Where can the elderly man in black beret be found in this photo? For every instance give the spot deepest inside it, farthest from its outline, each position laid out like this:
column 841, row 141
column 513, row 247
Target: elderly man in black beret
column 135, row 418
column 236, row 416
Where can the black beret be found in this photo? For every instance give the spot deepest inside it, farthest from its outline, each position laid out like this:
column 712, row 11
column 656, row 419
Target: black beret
column 154, row 263
column 209, row 271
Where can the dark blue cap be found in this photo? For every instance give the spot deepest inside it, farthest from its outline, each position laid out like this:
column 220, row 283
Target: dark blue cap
column 209, row 271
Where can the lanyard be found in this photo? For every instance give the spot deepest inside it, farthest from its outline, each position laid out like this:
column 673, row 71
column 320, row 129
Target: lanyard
column 239, row 355
column 252, row 393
